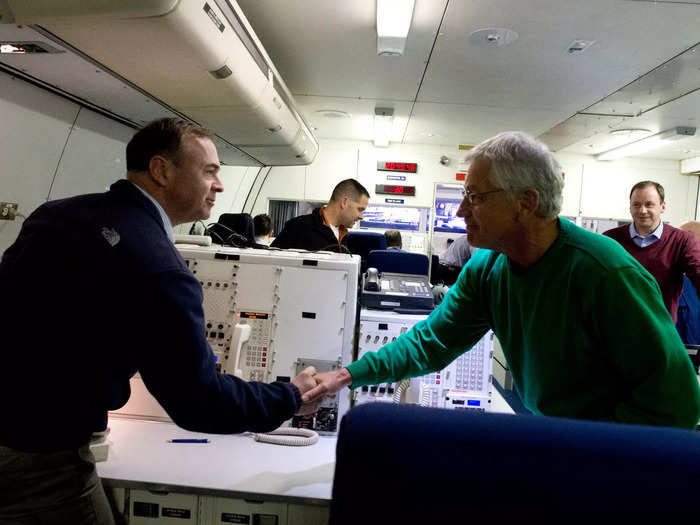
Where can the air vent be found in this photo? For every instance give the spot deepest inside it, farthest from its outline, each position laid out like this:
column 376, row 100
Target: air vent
column 221, row 73
column 493, row 37
column 579, row 46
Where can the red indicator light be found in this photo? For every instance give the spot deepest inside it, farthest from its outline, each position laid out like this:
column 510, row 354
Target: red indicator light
column 407, row 167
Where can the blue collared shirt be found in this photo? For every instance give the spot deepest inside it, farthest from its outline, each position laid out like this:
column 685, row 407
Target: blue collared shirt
column 166, row 220
column 650, row 239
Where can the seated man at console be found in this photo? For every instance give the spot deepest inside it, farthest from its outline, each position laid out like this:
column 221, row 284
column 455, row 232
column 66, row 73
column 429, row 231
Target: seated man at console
column 263, row 229
column 582, row 324
column 326, row 228
column 456, row 255
column 118, row 299
column 393, row 240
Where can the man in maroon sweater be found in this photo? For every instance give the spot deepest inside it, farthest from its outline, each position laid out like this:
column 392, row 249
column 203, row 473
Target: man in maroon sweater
column 666, row 252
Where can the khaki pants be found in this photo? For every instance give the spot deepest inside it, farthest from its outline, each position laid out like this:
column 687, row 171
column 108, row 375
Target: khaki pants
column 51, row 488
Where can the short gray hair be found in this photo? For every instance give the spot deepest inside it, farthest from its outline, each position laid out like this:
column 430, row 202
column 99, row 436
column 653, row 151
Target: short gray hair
column 518, row 163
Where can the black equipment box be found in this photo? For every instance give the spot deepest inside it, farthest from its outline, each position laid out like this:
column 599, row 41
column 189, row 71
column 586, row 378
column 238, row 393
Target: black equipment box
column 396, row 291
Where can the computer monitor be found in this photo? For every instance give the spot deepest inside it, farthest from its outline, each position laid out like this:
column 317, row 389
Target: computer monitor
column 446, row 219
column 394, row 218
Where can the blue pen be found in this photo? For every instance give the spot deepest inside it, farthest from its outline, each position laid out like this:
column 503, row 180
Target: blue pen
column 188, row 441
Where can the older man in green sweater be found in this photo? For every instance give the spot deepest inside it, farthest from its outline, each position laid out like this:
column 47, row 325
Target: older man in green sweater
column 582, row 324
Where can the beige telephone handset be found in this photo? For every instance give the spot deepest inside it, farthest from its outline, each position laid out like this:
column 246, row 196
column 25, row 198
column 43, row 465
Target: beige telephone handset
column 241, row 334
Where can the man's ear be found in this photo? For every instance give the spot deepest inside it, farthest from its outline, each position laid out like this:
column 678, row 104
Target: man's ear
column 530, row 201
column 158, row 169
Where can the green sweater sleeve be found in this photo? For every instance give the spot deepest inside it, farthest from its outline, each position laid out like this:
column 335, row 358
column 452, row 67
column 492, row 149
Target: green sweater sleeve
column 450, row 330
column 660, row 385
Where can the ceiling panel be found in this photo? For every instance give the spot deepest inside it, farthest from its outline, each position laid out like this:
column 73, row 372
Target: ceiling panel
column 684, row 111
column 536, row 71
column 326, row 51
column 359, row 123
column 329, row 47
column 463, row 124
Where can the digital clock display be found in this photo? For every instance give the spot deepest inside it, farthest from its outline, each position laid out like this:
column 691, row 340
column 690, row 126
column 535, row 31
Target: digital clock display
column 388, row 189
column 405, row 167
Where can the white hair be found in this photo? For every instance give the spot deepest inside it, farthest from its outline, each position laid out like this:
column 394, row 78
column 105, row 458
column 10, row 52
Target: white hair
column 519, row 162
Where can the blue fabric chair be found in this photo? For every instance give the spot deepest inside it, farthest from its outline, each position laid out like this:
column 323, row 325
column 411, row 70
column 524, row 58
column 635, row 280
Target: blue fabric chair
column 394, row 261
column 362, row 242
column 408, row 464
column 688, row 323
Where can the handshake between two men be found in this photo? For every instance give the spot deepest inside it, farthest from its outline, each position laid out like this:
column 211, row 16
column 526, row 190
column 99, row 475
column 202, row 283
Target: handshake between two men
column 315, row 387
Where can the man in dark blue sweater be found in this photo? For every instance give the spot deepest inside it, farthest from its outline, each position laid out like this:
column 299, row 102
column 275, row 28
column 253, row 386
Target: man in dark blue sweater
column 99, row 292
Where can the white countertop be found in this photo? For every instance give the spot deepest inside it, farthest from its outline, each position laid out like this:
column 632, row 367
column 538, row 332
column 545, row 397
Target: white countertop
column 228, row 466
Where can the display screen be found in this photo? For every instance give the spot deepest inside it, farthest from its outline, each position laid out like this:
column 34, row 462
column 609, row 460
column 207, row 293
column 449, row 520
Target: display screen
column 392, row 218
column 406, row 167
column 390, row 189
column 446, row 219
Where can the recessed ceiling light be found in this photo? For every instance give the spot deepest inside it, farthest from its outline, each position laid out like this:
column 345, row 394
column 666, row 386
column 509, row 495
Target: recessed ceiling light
column 332, row 113
column 493, row 37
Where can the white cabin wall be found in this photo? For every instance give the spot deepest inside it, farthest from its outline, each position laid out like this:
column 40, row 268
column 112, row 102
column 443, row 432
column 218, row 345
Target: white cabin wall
column 592, row 188
column 237, row 182
column 94, row 156
column 282, row 183
column 338, row 160
column 51, row 148
column 603, row 187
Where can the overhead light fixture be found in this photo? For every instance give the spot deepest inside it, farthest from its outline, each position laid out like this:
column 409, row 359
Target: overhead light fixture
column 333, row 113
column 22, row 48
column 630, row 133
column 649, row 143
column 383, row 121
column 393, row 22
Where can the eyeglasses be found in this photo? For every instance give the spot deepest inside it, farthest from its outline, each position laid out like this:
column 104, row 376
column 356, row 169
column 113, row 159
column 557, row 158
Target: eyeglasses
column 476, row 198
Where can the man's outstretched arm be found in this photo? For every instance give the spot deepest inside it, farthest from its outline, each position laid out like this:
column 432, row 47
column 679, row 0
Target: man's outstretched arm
column 327, row 383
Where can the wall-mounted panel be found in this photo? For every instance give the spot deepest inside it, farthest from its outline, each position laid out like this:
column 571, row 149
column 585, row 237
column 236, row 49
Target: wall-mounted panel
column 429, row 171
column 94, row 157
column 34, row 130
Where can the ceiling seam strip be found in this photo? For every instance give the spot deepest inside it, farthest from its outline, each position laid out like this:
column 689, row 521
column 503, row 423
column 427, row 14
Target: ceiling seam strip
column 665, row 2
column 425, row 70
column 629, row 115
column 48, row 34
column 16, row 73
column 640, row 77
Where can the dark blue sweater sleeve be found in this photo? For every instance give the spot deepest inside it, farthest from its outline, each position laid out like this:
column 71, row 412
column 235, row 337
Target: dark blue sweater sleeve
column 177, row 366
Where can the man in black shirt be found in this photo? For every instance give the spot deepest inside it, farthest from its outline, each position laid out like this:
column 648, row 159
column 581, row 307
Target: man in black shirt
column 326, row 227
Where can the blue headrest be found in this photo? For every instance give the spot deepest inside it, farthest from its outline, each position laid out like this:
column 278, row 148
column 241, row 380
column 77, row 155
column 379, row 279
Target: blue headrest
column 361, row 242
column 394, row 261
column 424, row 465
